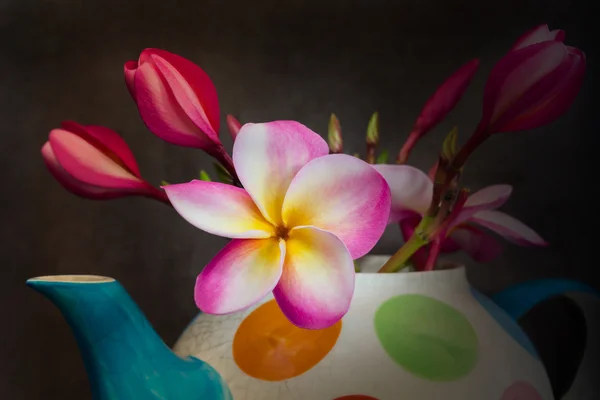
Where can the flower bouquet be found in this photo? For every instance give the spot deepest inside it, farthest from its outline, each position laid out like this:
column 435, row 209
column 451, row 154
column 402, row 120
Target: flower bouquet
column 299, row 211
column 300, row 214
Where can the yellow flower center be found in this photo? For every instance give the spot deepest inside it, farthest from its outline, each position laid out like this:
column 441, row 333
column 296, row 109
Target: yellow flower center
column 282, row 232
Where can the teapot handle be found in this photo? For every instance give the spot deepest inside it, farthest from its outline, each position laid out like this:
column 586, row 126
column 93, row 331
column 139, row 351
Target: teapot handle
column 519, row 299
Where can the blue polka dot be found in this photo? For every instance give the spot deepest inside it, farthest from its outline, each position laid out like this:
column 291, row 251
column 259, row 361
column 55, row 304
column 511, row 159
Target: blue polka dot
column 506, row 322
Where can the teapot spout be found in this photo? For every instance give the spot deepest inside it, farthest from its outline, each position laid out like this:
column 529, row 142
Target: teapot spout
column 124, row 357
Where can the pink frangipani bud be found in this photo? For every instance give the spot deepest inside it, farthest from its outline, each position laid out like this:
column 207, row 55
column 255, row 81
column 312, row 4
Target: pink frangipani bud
column 439, row 105
column 176, row 99
column 534, row 84
column 540, row 33
column 95, row 162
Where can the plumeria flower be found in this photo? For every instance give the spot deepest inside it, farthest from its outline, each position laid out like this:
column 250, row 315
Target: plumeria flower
column 297, row 225
column 412, row 191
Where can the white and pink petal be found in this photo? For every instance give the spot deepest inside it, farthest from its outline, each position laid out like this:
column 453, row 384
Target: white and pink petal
column 411, row 189
column 508, row 227
column 220, row 209
column 488, row 198
column 317, row 282
column 268, row 155
column 343, row 195
column 240, row 275
column 492, row 196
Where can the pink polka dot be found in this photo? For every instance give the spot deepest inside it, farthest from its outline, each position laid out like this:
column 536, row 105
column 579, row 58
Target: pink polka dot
column 521, row 391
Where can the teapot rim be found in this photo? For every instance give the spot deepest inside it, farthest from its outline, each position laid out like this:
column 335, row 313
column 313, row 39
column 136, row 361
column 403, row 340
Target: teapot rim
column 71, row 279
column 444, row 267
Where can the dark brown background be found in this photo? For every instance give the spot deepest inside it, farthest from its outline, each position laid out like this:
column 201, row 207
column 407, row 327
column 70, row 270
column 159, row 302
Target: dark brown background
column 269, row 60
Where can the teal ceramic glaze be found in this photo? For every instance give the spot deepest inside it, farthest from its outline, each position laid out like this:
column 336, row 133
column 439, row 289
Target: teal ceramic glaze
column 507, row 323
column 123, row 355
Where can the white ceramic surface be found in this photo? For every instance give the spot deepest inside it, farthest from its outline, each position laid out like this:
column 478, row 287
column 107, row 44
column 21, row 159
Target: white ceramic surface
column 499, row 364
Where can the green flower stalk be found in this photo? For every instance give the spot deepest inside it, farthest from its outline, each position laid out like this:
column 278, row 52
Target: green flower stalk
column 446, row 201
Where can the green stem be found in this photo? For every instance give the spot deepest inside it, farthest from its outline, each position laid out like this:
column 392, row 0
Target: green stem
column 425, row 231
column 403, row 255
column 443, row 201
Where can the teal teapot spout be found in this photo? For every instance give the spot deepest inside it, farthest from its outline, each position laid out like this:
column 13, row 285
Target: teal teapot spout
column 123, row 355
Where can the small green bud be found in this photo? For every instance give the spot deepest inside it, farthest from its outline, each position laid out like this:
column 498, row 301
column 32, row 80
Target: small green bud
column 382, row 158
column 449, row 145
column 164, row 183
column 204, row 176
column 373, row 130
column 334, row 135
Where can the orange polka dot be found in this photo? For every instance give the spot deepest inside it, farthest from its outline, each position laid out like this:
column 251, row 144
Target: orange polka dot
column 355, row 397
column 268, row 346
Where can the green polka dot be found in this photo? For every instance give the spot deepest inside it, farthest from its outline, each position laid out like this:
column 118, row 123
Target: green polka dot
column 427, row 337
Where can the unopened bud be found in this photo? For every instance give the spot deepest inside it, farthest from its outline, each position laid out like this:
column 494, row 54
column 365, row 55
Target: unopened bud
column 382, row 158
column 204, row 176
column 373, row 130
column 449, row 145
column 334, row 135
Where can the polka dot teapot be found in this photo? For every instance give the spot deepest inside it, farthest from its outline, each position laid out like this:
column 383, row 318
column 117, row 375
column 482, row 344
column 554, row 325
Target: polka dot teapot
column 414, row 335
